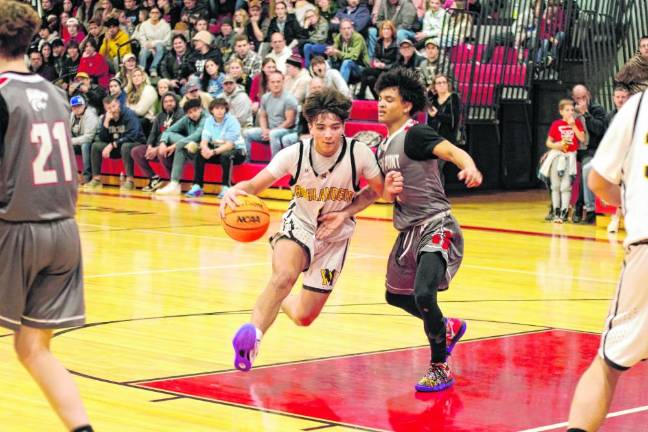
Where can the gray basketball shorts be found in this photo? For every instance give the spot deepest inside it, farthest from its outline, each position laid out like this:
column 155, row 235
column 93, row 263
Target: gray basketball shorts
column 41, row 277
column 442, row 235
column 624, row 342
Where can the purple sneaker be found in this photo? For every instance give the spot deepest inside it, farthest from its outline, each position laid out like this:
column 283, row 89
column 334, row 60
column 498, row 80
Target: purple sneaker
column 246, row 347
column 455, row 329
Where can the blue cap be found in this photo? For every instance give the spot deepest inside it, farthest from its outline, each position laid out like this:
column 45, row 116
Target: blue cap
column 77, row 101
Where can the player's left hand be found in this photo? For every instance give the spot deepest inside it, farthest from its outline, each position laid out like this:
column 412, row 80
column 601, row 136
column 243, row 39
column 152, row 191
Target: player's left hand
column 471, row 177
column 328, row 223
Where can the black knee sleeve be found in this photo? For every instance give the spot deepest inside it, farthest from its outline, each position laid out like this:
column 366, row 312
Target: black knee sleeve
column 429, row 274
column 405, row 302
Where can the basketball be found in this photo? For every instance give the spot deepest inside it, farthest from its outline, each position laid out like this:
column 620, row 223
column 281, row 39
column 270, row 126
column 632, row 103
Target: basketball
column 248, row 221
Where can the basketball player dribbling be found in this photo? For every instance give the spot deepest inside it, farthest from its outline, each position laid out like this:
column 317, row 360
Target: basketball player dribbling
column 41, row 280
column 429, row 248
column 620, row 177
column 325, row 174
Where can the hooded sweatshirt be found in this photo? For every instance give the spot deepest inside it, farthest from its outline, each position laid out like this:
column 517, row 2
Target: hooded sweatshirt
column 240, row 105
column 164, row 120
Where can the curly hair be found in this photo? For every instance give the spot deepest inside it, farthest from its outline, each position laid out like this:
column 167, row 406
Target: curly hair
column 409, row 86
column 326, row 101
column 19, row 22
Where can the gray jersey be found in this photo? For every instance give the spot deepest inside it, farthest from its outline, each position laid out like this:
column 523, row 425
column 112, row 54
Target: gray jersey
column 38, row 173
column 409, row 151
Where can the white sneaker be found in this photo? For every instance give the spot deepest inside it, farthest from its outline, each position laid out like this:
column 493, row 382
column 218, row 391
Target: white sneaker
column 613, row 226
column 173, row 188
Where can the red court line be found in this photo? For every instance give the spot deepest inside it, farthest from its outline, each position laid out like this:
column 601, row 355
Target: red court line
column 382, row 219
column 503, row 384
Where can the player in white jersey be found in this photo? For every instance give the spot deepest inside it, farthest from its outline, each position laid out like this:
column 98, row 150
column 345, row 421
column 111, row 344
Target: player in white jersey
column 620, row 177
column 325, row 174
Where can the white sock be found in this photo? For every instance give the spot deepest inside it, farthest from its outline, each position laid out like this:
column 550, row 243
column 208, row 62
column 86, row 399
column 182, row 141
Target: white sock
column 259, row 333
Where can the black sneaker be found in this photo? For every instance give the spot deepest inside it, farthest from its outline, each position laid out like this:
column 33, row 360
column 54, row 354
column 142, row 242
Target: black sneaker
column 564, row 215
column 590, row 218
column 577, row 215
column 153, row 185
column 550, row 215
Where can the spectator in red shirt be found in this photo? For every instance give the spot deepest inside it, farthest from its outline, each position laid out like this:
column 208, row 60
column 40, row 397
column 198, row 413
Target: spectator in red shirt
column 94, row 64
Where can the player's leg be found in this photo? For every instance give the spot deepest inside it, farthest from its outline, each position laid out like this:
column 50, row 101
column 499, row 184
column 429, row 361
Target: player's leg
column 32, row 347
column 302, row 308
column 593, row 396
column 288, row 260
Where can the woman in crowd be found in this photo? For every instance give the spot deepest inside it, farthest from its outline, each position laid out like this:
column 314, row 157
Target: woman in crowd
column 212, row 78
column 116, row 88
column 86, row 11
column 385, row 57
column 141, row 97
column 234, row 68
column 260, row 82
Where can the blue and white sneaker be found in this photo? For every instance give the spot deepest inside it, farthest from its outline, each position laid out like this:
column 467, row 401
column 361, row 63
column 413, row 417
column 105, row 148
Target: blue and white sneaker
column 222, row 192
column 195, row 191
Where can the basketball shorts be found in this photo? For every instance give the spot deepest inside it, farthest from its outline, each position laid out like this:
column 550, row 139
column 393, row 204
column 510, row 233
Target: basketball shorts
column 326, row 258
column 41, row 279
column 440, row 234
column 624, row 342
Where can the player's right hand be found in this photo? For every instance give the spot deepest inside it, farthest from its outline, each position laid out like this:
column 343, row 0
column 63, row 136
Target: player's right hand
column 229, row 200
column 394, row 183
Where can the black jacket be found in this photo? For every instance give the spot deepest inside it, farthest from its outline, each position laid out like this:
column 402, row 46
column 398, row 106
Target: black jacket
column 596, row 124
column 292, row 29
column 170, row 68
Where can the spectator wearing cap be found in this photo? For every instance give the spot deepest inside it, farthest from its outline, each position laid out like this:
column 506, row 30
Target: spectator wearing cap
column 400, row 12
column 433, row 64
column 37, row 66
column 193, row 91
column 144, row 155
column 178, row 63
column 74, row 31
column 407, row 55
column 202, row 42
column 286, row 24
column 297, row 78
column 70, row 63
column 212, row 78
column 251, row 60
column 115, row 45
column 174, row 140
column 128, row 66
column 331, row 77
column 277, row 115
column 224, row 40
column 94, row 64
column 358, row 14
column 348, row 52
column 95, row 33
column 93, row 94
column 240, row 105
column 154, row 36
column 120, row 131
column 84, row 124
column 386, row 55
column 192, row 11
column 221, row 143
column 280, row 52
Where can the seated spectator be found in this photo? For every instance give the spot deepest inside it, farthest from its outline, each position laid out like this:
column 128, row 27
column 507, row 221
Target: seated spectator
column 593, row 116
column 202, row 45
column 70, row 64
column 154, row 36
column 348, row 52
column 221, row 142
column 37, row 66
column 84, row 124
column 331, row 77
column 240, row 22
column 234, row 68
column 444, row 109
column 86, row 11
column 243, row 52
column 94, row 64
column 327, row 8
column 95, row 33
column 634, row 74
column 432, row 65
column 559, row 165
column 400, row 12
column 407, row 55
column 257, row 29
column 193, row 91
column 277, row 115
column 106, row 11
column 74, row 33
column 386, row 54
column 303, row 132
column 551, row 36
column 354, row 11
column 316, row 31
column 131, row 10
column 301, row 9
column 259, row 85
column 458, row 29
column 280, row 52
column 46, row 53
column 193, row 11
column 432, row 24
column 517, row 35
column 224, row 40
column 297, row 79
column 58, row 54
column 152, row 151
column 285, row 24
column 238, row 100
column 141, row 97
column 92, row 94
column 212, row 79
column 128, row 66
column 120, row 131
column 177, row 65
column 116, row 89
column 115, row 45
column 163, row 87
column 174, row 140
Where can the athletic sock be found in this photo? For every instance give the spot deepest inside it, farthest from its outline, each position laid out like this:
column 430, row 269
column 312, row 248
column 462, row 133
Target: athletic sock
column 259, row 333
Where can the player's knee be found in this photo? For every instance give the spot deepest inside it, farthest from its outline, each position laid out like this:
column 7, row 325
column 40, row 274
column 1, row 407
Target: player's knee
column 303, row 320
column 284, row 279
column 28, row 348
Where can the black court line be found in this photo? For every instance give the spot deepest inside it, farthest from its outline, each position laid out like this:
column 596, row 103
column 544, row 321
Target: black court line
column 115, row 229
column 319, row 427
column 384, row 219
column 167, row 399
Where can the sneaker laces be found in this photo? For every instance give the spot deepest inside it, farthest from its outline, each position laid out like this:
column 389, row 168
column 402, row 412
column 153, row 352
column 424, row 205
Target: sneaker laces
column 438, row 372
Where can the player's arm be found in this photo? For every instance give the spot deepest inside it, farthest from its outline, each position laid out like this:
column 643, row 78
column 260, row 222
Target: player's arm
column 468, row 173
column 604, row 189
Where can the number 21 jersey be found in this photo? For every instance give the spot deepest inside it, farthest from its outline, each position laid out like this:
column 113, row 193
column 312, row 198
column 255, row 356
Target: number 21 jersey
column 38, row 175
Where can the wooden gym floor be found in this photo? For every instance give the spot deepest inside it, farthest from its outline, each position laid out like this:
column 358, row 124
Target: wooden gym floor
column 166, row 290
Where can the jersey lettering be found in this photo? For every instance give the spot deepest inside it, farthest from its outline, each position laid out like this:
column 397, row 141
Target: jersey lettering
column 41, row 137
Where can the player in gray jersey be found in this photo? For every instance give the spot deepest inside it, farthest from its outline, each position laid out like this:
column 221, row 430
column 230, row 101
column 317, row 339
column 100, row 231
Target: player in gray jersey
column 429, row 248
column 41, row 280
